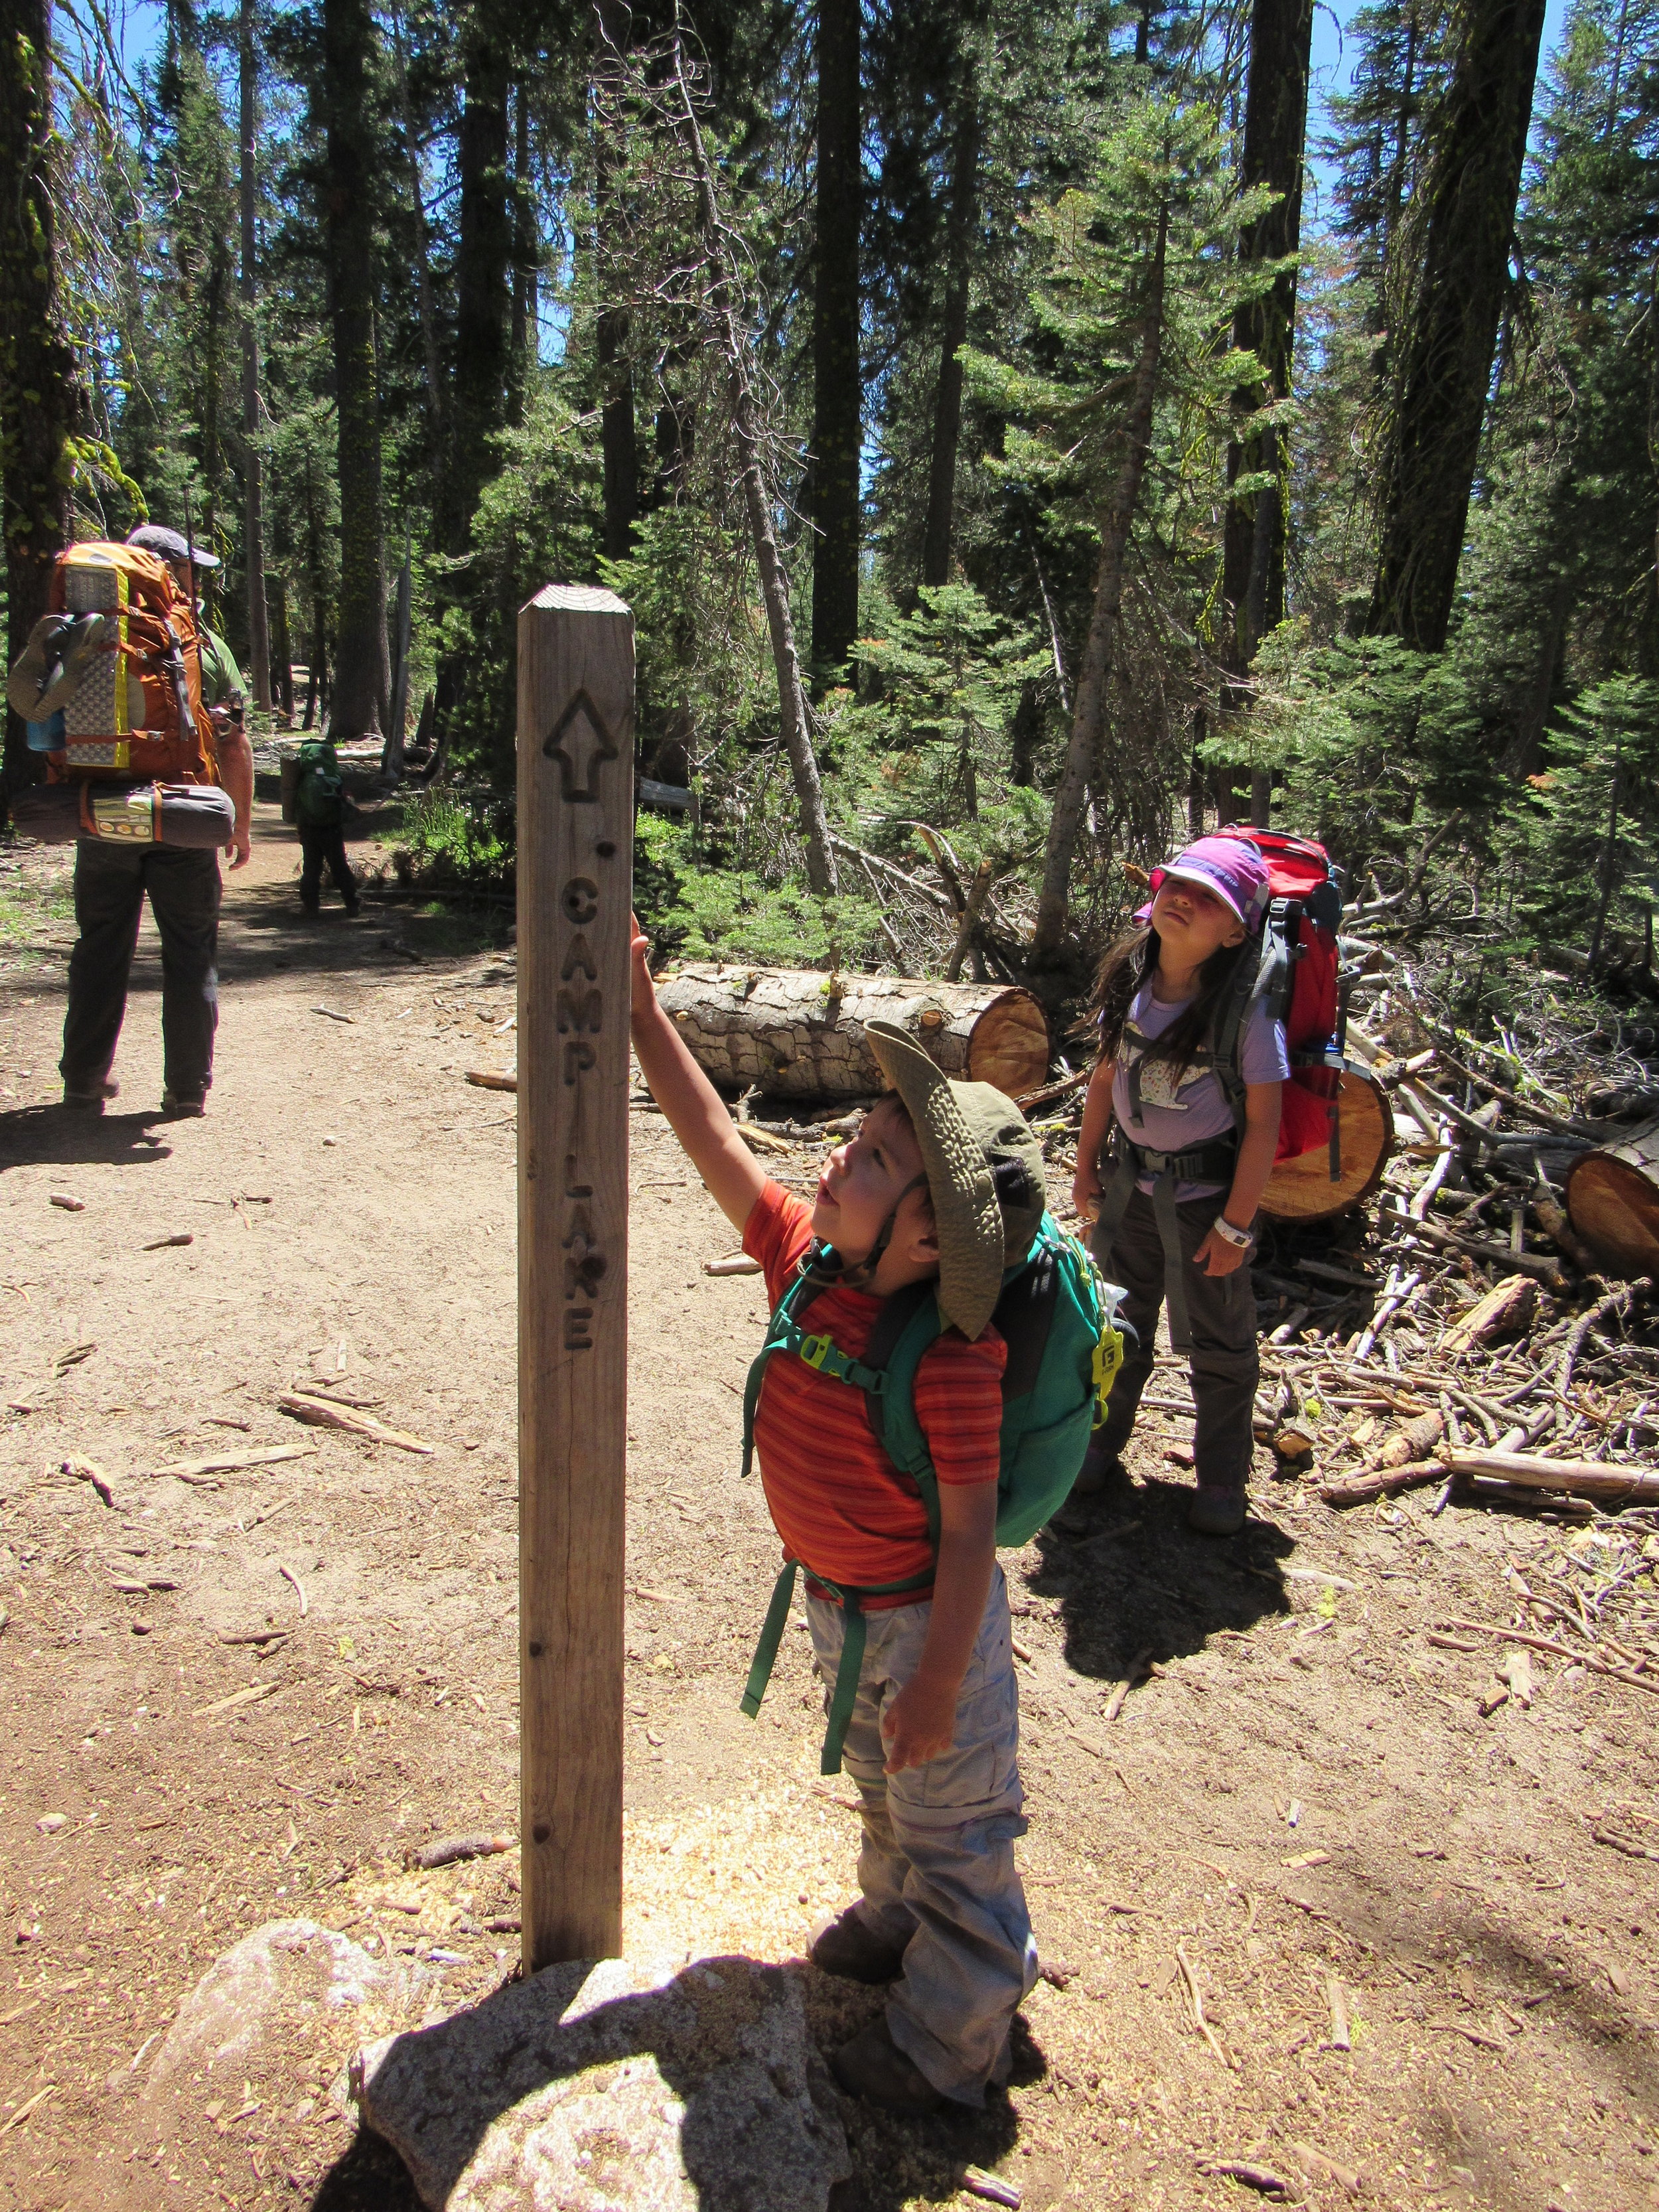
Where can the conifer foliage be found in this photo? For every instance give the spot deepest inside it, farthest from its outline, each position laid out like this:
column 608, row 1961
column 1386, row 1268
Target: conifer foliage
column 1010, row 461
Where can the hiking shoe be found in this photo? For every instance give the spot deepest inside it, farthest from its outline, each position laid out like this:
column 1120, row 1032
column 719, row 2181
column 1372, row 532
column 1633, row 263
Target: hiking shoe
column 871, row 2066
column 176, row 1109
column 1216, row 1512
column 93, row 1101
column 354, row 907
column 853, row 1950
column 1098, row 1468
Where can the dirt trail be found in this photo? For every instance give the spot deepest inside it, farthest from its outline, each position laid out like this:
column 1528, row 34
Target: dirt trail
column 1305, row 1802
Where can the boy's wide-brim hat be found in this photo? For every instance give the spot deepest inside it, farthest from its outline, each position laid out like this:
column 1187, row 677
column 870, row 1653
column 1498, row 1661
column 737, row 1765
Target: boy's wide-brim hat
column 984, row 1170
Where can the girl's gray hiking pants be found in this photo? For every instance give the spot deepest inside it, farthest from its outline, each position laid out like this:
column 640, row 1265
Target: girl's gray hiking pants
column 936, row 1866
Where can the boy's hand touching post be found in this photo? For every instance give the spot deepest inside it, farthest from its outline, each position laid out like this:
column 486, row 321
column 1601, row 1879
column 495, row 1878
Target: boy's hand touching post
column 695, row 1109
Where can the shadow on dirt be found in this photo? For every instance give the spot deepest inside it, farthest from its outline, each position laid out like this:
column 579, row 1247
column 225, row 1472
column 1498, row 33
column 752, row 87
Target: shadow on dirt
column 60, row 1136
column 1138, row 1580
column 721, row 2035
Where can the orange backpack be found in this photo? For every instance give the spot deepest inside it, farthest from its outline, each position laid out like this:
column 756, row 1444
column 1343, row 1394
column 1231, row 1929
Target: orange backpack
column 137, row 714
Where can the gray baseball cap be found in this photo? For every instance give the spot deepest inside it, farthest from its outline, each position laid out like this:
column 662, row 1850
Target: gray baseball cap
column 168, row 545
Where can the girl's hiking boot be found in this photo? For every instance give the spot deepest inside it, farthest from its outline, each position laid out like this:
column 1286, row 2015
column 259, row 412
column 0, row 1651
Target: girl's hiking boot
column 848, row 1948
column 1098, row 1468
column 871, row 2066
column 1217, row 1512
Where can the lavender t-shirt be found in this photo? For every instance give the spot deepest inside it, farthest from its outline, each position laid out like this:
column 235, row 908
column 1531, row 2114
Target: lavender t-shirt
column 1182, row 1108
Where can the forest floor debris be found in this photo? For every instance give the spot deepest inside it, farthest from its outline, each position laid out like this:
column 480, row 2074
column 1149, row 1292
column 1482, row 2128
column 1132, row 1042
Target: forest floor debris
column 1471, row 1883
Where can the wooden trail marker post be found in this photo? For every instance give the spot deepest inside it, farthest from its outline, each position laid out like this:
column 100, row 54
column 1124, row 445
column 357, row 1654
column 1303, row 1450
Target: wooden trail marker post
column 575, row 852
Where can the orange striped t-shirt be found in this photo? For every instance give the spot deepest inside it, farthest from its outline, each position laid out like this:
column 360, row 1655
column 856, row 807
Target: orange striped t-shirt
column 841, row 1507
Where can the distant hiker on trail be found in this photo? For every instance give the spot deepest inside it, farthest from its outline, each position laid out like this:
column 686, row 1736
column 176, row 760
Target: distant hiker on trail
column 319, row 806
column 184, row 889
column 921, row 1221
column 1174, row 1198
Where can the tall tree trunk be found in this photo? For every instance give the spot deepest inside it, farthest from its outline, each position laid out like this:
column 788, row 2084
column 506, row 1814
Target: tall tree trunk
column 361, row 660
column 485, row 284
column 1275, row 125
column 837, row 395
column 618, row 452
column 1093, row 676
column 281, row 650
column 1443, row 359
column 521, row 344
column 40, row 401
column 253, row 519
column 947, row 390
column 435, row 383
column 796, row 730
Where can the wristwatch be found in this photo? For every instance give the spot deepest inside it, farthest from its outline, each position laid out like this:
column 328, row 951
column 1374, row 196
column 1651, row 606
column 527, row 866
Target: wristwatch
column 1240, row 1239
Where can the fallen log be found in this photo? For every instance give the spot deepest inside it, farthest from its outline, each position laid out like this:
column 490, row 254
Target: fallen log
column 799, row 1033
column 1579, row 1477
column 1613, row 1202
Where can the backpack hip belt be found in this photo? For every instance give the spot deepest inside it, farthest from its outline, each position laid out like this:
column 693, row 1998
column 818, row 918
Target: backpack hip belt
column 1210, row 1163
column 851, row 1666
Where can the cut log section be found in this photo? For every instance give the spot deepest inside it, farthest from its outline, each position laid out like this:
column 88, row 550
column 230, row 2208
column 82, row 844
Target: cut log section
column 1302, row 1189
column 1612, row 1200
column 799, row 1033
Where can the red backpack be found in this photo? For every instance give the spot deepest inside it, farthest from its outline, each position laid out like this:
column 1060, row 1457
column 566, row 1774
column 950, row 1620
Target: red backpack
column 1297, row 976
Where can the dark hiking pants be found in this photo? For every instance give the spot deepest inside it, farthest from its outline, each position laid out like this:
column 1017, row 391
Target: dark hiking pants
column 110, row 883
column 1222, row 1362
column 317, row 845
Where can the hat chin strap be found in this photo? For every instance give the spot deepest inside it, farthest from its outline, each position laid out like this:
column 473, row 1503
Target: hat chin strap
column 859, row 1275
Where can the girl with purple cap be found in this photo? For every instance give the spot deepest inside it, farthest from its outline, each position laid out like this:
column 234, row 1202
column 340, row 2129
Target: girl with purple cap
column 1170, row 1174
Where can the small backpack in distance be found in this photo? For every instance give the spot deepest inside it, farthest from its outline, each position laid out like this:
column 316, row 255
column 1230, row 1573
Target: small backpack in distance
column 137, row 715
column 1058, row 1315
column 320, row 787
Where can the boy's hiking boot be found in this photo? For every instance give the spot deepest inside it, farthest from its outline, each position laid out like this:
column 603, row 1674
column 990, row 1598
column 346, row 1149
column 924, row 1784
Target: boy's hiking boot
column 1216, row 1512
column 183, row 1106
column 853, row 1950
column 871, row 2066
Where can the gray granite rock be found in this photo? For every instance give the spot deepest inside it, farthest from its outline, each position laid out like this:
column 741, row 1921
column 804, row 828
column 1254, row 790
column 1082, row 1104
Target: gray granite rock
column 282, row 1974
column 580, row 2091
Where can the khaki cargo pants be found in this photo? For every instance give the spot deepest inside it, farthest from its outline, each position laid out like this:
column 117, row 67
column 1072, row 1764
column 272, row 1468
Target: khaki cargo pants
column 937, row 1865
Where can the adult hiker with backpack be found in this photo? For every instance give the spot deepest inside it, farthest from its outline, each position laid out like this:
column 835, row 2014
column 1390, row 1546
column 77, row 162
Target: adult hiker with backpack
column 133, row 699
column 1217, row 1018
column 319, row 807
column 901, row 1435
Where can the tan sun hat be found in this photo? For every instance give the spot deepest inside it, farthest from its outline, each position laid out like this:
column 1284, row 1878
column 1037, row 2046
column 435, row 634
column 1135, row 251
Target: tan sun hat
column 984, row 1174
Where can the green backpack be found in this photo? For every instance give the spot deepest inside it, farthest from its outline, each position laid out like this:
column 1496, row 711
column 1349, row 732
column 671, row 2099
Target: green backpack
column 1058, row 1316
column 320, row 788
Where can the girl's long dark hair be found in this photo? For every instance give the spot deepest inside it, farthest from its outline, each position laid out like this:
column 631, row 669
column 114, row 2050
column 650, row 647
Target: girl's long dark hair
column 1133, row 961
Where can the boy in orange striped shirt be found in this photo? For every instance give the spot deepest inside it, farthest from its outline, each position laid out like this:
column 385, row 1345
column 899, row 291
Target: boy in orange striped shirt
column 943, row 1181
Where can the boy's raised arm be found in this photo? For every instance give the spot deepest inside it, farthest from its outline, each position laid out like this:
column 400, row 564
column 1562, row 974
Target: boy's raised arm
column 695, row 1109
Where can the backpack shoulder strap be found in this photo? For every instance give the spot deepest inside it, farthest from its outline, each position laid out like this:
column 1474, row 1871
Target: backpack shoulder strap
column 1267, row 978
column 908, row 1323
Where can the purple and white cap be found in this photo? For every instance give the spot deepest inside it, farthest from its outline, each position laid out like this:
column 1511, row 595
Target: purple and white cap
column 1232, row 867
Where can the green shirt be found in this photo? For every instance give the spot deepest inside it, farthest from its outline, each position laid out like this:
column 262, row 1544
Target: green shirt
column 221, row 679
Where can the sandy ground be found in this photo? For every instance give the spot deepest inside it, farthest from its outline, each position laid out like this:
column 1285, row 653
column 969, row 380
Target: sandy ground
column 1305, row 1809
